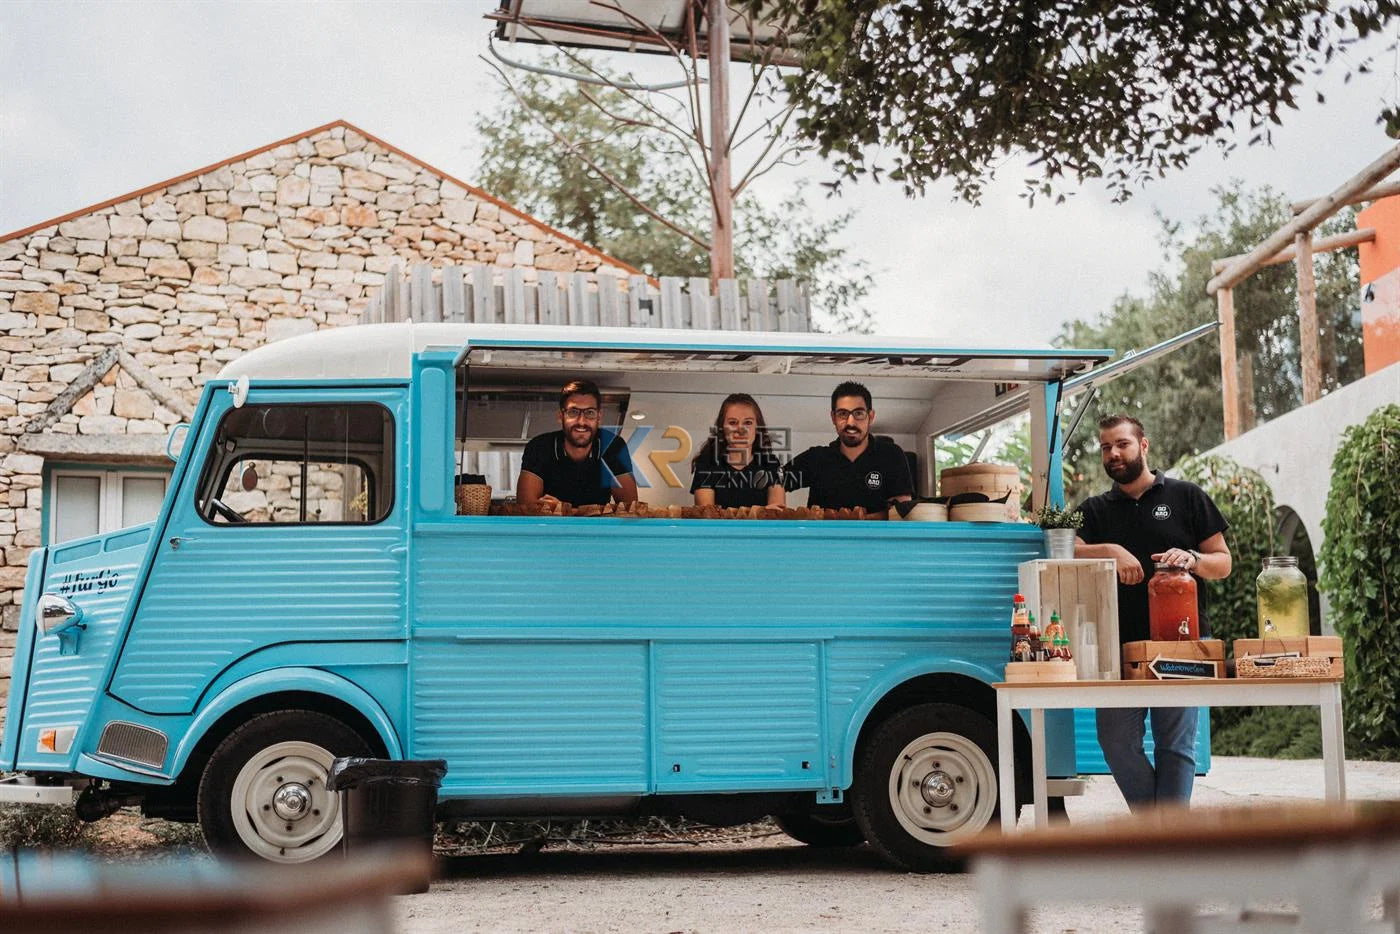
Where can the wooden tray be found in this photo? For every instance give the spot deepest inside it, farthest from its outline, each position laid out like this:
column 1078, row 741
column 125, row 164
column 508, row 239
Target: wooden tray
column 1055, row 670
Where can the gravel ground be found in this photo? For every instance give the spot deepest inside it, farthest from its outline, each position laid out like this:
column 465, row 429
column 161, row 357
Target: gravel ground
column 773, row 883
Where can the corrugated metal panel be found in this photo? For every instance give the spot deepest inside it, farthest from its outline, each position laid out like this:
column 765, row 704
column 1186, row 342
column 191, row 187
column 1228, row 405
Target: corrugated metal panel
column 97, row 574
column 20, row 665
column 227, row 591
column 886, row 595
column 738, row 712
column 528, row 718
column 618, row 578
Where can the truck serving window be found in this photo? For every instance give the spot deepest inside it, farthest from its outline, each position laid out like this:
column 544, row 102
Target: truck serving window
column 294, row 464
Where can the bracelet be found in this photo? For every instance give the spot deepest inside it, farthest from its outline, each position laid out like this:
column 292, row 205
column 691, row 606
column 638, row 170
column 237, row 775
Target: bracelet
column 1195, row 557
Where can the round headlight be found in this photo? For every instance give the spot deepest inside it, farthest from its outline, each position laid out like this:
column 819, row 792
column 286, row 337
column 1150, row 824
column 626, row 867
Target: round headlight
column 56, row 613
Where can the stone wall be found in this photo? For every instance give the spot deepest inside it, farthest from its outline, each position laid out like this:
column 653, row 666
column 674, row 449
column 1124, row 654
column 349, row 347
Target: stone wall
column 188, row 275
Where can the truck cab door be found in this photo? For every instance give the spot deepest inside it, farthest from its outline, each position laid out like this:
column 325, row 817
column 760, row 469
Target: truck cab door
column 288, row 528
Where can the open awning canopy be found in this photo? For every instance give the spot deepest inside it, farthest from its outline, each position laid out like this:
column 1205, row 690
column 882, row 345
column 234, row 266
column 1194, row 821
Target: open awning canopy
column 848, row 356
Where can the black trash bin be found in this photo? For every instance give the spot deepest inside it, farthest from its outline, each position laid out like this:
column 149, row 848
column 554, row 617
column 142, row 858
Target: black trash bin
column 387, row 802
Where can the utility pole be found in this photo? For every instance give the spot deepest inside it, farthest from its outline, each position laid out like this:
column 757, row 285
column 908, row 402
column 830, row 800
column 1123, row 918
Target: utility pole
column 722, row 218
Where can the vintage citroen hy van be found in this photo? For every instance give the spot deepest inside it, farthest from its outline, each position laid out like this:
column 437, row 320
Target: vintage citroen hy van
column 309, row 591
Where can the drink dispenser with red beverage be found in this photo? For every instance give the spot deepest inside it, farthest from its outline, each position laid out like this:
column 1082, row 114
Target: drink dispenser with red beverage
column 1171, row 604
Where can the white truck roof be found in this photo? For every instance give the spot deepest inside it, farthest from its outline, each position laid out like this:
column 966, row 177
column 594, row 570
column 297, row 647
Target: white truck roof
column 385, row 351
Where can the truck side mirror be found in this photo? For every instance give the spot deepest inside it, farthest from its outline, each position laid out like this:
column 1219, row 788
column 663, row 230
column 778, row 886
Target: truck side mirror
column 175, row 441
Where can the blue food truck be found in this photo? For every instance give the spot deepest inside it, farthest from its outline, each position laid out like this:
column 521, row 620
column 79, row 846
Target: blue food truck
column 309, row 591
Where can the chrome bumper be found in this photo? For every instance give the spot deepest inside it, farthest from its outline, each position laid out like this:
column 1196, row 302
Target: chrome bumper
column 21, row 789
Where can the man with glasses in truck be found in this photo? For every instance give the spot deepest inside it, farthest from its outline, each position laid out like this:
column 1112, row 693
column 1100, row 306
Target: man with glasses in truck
column 857, row 469
column 580, row 464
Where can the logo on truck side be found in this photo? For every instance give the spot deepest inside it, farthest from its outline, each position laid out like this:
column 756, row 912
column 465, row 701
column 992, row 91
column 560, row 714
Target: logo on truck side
column 86, row 582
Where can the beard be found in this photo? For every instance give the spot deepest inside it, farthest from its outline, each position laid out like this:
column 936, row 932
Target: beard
column 1126, row 471
column 575, row 439
column 852, row 439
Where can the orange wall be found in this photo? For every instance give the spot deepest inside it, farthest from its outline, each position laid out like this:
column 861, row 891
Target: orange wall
column 1380, row 283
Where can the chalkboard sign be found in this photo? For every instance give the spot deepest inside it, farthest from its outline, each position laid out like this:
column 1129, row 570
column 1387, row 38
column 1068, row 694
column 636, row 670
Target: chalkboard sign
column 1178, row 668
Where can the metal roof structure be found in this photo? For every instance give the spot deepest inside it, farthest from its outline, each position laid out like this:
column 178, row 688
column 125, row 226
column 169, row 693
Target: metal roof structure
column 639, row 26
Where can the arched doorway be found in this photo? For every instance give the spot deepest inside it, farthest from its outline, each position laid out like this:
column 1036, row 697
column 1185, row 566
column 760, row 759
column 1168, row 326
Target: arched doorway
column 1292, row 537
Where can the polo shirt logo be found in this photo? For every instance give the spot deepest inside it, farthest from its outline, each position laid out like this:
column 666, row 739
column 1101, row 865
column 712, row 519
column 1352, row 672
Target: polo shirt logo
column 872, row 480
column 1161, row 511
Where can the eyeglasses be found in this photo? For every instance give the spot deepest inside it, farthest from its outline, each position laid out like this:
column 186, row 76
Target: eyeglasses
column 586, row 414
column 859, row 415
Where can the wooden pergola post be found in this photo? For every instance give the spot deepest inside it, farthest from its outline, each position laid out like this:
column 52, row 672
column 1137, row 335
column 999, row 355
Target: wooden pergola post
column 1229, row 370
column 1307, row 317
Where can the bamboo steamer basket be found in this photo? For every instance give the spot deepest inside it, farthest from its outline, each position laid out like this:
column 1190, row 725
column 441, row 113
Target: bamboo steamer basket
column 978, row 512
column 923, row 512
column 994, row 480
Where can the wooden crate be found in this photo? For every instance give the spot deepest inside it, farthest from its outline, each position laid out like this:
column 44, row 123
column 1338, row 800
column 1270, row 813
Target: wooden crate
column 1054, row 670
column 1138, row 656
column 1328, row 647
column 1063, row 585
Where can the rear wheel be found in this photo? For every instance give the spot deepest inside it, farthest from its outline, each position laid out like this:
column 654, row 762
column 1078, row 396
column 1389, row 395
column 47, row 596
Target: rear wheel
column 263, row 792
column 926, row 781
column 822, row 825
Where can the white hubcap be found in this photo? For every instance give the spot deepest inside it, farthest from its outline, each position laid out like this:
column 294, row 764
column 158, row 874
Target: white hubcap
column 942, row 789
column 280, row 804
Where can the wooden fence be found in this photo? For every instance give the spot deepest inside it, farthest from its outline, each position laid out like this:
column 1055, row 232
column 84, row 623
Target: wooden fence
column 495, row 294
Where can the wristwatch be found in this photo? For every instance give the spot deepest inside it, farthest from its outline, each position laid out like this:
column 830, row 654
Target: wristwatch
column 1195, row 558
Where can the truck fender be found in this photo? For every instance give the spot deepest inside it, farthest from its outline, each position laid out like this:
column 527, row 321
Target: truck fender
column 888, row 681
column 304, row 680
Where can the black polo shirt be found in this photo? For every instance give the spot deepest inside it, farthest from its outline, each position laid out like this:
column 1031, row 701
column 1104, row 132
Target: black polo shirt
column 739, row 487
column 879, row 474
column 579, row 483
column 1171, row 513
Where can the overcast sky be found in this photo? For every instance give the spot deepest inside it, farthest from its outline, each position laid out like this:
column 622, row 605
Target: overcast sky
column 101, row 98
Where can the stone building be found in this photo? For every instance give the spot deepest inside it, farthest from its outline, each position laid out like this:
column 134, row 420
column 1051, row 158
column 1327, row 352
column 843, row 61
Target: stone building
column 114, row 316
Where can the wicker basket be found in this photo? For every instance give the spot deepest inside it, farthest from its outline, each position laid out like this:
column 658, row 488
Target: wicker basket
column 1308, row 666
column 473, row 499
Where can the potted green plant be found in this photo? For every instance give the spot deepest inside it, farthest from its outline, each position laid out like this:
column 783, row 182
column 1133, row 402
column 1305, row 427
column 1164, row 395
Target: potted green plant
column 1059, row 526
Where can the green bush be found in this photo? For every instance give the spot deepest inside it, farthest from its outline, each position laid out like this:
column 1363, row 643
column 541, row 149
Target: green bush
column 1271, row 733
column 1245, row 499
column 1360, row 573
column 1247, row 503
column 40, row 827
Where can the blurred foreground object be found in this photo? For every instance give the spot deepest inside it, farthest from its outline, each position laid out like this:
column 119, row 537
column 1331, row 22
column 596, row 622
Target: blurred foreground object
column 71, row 893
column 1327, row 859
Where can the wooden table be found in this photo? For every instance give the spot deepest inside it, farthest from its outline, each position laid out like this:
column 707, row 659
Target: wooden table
column 1038, row 697
column 1328, row 859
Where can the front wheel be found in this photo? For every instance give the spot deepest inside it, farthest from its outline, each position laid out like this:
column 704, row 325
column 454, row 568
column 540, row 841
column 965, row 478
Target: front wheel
column 263, row 792
column 924, row 782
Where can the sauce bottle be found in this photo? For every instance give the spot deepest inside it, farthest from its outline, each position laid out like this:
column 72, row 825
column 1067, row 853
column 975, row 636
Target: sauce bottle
column 1171, row 604
column 1020, row 630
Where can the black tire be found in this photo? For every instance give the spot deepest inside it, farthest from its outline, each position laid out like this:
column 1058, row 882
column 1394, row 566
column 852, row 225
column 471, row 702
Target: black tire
column 822, row 825
column 925, row 780
column 263, row 792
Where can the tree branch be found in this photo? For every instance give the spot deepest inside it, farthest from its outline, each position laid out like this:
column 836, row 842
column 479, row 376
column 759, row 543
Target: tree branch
column 602, row 173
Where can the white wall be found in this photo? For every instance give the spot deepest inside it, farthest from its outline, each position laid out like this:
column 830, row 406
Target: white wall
column 1294, row 451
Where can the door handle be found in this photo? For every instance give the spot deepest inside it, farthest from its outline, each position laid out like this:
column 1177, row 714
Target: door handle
column 178, row 540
